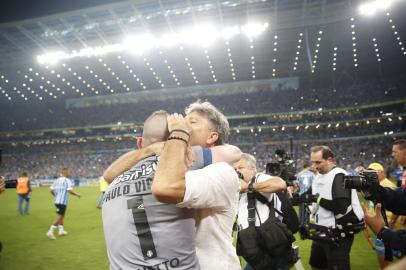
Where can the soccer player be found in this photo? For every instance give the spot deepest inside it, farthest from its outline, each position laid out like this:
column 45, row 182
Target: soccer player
column 213, row 191
column 140, row 231
column 60, row 189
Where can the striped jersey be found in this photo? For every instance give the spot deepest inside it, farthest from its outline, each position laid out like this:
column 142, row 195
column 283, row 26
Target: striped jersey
column 305, row 178
column 60, row 188
column 143, row 233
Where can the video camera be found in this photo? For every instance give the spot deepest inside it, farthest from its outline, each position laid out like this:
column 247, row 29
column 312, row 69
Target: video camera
column 366, row 182
column 283, row 166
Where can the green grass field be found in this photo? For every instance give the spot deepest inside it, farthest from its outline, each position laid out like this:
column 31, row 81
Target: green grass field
column 26, row 246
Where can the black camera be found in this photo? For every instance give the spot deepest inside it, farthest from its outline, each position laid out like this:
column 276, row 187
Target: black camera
column 366, row 182
column 283, row 166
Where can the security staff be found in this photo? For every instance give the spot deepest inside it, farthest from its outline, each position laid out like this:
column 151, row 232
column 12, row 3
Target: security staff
column 23, row 191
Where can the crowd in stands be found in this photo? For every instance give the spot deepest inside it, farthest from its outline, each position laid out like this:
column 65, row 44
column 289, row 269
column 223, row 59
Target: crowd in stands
column 321, row 116
column 90, row 159
column 262, row 101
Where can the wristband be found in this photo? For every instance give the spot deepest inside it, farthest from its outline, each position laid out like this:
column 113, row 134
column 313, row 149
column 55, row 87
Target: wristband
column 180, row 130
column 178, row 138
column 318, row 200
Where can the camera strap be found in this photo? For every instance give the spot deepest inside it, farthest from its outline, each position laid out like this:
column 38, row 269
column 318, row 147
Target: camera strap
column 251, row 203
column 253, row 196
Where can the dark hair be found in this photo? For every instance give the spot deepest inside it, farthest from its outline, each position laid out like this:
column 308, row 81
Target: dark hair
column 325, row 151
column 401, row 143
column 306, row 165
column 24, row 174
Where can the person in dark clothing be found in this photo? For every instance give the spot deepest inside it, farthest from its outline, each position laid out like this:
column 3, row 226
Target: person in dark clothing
column 394, row 201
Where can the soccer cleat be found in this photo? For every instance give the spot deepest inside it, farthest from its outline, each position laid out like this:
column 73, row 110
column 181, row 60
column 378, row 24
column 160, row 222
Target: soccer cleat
column 62, row 233
column 50, row 235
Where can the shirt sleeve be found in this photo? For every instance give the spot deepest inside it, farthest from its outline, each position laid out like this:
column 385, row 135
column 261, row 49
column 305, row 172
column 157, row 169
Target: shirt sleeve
column 203, row 157
column 70, row 184
column 341, row 197
column 394, row 199
column 338, row 190
column 395, row 239
column 207, row 157
column 215, row 186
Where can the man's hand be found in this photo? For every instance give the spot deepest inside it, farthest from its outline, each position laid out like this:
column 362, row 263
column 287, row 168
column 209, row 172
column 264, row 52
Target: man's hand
column 376, row 222
column 190, row 157
column 177, row 121
column 157, row 147
column 309, row 198
column 244, row 186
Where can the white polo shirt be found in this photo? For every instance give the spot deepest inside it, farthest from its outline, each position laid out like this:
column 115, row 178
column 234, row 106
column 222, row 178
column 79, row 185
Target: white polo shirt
column 213, row 192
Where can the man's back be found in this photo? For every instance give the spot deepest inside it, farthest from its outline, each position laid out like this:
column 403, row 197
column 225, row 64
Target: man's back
column 142, row 232
column 213, row 190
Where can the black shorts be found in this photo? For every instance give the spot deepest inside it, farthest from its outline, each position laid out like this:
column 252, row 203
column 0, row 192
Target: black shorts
column 60, row 209
column 326, row 255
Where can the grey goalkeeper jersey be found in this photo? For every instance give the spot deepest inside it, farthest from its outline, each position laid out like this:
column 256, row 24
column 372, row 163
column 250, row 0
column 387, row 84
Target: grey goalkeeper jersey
column 142, row 233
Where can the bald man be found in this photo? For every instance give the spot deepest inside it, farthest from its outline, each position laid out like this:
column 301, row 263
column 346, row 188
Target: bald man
column 140, row 231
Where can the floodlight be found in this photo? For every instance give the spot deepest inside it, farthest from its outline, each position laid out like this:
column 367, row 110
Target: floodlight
column 139, row 44
column 51, row 58
column 372, row 7
column 252, row 30
column 230, row 32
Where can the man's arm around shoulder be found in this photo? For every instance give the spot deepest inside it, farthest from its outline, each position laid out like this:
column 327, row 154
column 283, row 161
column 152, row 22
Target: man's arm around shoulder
column 126, row 162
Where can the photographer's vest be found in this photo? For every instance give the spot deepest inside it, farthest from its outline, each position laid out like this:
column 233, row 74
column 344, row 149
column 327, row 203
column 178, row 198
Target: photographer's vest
column 322, row 185
column 22, row 185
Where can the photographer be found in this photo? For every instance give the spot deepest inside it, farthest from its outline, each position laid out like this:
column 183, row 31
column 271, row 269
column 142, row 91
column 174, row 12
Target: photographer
column 394, row 201
column 334, row 207
column 384, row 182
column 265, row 184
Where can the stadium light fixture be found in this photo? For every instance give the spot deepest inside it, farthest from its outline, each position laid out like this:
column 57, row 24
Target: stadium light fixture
column 203, row 35
column 139, row 44
column 52, row 57
column 253, row 30
column 200, row 35
column 372, row 7
column 229, row 32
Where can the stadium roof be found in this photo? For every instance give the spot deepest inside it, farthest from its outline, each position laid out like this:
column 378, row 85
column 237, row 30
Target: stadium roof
column 125, row 46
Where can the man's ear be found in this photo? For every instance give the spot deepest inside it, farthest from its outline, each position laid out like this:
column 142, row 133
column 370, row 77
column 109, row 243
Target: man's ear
column 139, row 142
column 214, row 136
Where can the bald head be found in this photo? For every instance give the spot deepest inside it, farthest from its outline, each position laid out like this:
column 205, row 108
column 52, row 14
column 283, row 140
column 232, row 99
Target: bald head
column 155, row 128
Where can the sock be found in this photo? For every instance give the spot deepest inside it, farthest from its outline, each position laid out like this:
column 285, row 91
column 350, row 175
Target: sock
column 60, row 227
column 52, row 228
